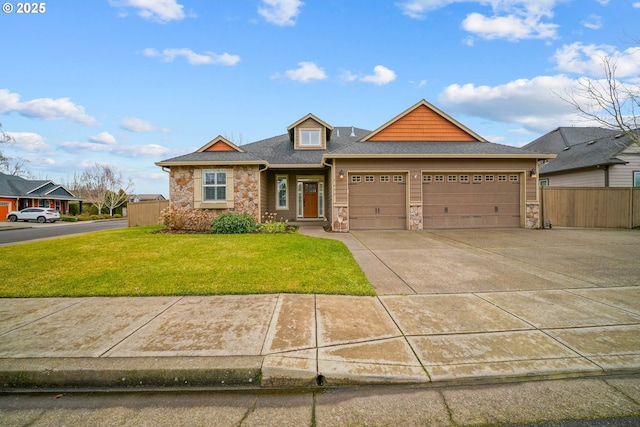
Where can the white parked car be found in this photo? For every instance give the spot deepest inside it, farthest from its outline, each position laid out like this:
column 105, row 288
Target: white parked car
column 41, row 215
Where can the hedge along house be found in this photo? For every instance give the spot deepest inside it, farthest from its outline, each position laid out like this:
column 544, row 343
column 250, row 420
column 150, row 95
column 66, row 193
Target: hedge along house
column 420, row 170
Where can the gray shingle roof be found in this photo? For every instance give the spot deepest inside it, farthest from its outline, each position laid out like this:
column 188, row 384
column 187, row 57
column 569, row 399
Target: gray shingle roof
column 15, row 186
column 579, row 148
column 279, row 150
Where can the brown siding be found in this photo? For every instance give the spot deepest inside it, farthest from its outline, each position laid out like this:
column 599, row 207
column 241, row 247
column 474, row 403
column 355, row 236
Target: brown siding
column 270, row 191
column 264, row 193
column 220, row 146
column 310, row 124
column 422, row 124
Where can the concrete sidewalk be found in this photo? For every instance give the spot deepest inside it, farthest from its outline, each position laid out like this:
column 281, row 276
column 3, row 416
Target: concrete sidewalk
column 473, row 330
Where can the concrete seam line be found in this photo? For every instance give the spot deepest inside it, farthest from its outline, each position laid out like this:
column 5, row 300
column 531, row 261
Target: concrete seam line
column 141, row 326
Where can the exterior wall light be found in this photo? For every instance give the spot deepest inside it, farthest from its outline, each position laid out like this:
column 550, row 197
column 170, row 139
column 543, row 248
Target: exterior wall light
column 532, row 173
column 341, row 174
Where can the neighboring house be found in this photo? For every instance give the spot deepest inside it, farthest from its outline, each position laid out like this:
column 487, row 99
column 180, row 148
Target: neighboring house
column 134, row 198
column 420, row 170
column 588, row 157
column 17, row 193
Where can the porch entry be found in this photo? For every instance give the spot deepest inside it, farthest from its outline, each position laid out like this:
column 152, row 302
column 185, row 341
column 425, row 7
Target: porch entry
column 310, row 197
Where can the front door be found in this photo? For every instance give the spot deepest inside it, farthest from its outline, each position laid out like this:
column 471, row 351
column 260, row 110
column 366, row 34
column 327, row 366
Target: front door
column 310, row 199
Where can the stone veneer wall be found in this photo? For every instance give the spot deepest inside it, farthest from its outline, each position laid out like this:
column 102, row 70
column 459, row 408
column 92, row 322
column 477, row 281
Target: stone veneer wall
column 246, row 190
column 246, row 184
column 181, row 186
column 532, row 219
column 341, row 221
column 415, row 217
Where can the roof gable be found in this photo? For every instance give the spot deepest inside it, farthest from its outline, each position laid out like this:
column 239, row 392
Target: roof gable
column 423, row 122
column 291, row 128
column 16, row 186
column 220, row 143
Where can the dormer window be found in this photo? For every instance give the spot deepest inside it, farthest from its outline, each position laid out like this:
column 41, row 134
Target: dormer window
column 310, row 138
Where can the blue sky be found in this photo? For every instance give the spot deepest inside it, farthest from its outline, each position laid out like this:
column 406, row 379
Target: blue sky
column 131, row 82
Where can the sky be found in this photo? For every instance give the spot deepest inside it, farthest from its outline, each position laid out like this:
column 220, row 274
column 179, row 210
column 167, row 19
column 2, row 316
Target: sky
column 128, row 83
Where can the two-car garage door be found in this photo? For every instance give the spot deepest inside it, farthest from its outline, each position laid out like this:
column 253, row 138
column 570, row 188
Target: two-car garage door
column 450, row 200
column 470, row 200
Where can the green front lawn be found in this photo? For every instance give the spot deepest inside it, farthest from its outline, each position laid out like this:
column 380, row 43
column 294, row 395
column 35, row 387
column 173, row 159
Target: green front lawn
column 136, row 261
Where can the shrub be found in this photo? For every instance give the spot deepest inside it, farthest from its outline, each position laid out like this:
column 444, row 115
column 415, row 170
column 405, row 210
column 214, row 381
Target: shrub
column 68, row 218
column 270, row 225
column 74, row 209
column 184, row 218
column 117, row 216
column 231, row 223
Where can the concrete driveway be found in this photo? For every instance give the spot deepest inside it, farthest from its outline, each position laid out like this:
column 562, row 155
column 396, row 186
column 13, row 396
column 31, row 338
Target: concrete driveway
column 454, row 261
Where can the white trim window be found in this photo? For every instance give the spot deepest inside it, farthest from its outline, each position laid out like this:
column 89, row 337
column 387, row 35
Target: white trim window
column 310, row 138
column 321, row 199
column 300, row 200
column 214, row 185
column 282, row 192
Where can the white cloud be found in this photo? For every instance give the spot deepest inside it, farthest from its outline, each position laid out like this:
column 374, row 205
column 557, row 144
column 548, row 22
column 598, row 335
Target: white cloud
column 306, row 71
column 347, row 76
column 103, row 138
column 149, row 150
column 534, row 104
column 27, row 141
column 381, row 76
column 510, row 27
column 280, row 12
column 161, row 11
column 510, row 19
column 74, row 147
column 636, row 5
column 587, row 59
column 44, row 108
column 593, row 22
column 134, row 124
column 193, row 58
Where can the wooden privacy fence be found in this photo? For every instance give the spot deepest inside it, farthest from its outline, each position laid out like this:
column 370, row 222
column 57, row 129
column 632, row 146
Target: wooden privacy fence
column 591, row 207
column 146, row 213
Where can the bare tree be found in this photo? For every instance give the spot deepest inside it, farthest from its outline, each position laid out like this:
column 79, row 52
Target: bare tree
column 115, row 199
column 13, row 165
column 16, row 166
column 610, row 102
column 4, row 137
column 103, row 186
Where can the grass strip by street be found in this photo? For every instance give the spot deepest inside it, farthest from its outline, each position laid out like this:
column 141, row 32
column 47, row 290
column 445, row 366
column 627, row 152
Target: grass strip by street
column 137, row 262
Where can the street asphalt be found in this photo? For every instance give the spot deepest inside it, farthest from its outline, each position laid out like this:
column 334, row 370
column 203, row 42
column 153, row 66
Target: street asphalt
column 453, row 308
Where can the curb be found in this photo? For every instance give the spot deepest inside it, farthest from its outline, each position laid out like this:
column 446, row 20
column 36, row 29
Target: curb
column 118, row 373
column 219, row 372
